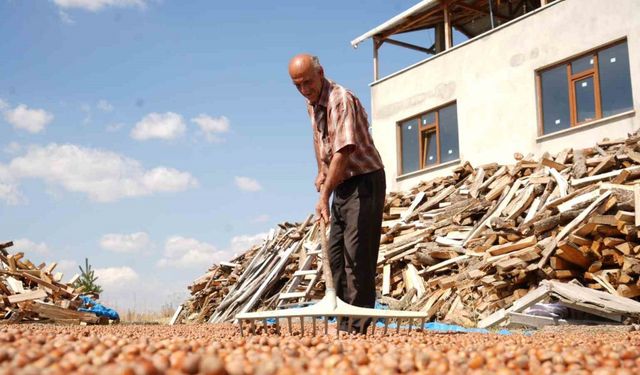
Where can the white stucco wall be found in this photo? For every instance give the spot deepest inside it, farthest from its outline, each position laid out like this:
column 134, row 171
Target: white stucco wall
column 492, row 78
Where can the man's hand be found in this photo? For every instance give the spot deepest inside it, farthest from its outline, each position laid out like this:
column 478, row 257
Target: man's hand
column 319, row 181
column 322, row 209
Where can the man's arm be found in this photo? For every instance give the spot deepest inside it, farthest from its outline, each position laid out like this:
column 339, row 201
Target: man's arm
column 335, row 176
column 322, row 171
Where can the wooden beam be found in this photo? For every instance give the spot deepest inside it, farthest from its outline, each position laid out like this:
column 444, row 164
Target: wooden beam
column 410, row 23
column 376, row 67
column 447, row 28
column 27, row 296
column 509, row 247
column 410, row 46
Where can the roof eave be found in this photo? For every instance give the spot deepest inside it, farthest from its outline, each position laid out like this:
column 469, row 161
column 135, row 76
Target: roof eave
column 423, row 5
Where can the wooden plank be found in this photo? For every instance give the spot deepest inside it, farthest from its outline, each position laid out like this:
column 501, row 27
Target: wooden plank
column 626, row 216
column 629, row 291
column 417, row 282
column 432, row 202
column 636, row 202
column 503, row 184
column 15, row 285
column 27, row 296
column 444, row 264
column 583, row 215
column 561, row 181
column 533, row 209
column 570, row 204
column 534, row 320
column 509, row 247
column 600, row 177
column 570, row 253
column 386, row 279
column 474, row 189
column 58, row 313
column 416, row 201
column 174, row 318
column 552, row 164
column 50, row 267
column 519, row 305
column 606, row 164
column 73, row 279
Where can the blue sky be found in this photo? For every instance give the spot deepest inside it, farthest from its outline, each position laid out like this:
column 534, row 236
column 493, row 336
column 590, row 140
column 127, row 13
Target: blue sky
column 159, row 137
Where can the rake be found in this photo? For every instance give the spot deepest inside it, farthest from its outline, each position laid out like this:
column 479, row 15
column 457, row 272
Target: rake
column 330, row 306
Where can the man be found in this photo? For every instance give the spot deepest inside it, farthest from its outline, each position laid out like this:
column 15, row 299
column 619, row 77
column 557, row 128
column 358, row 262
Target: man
column 350, row 167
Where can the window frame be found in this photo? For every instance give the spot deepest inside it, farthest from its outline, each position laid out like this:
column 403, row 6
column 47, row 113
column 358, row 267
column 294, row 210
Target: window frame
column 594, row 73
column 422, row 128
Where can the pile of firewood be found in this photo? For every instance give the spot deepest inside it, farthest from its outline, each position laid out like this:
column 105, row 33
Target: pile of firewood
column 251, row 280
column 31, row 293
column 464, row 246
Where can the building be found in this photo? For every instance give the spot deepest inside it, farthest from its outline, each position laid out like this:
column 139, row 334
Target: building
column 534, row 76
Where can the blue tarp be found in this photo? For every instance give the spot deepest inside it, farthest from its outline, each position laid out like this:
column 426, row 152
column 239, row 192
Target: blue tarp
column 92, row 306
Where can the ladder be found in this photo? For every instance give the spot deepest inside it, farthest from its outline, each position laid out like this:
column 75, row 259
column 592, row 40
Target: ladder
column 304, row 279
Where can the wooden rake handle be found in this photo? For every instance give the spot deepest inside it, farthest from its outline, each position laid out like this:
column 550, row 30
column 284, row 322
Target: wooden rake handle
column 326, row 267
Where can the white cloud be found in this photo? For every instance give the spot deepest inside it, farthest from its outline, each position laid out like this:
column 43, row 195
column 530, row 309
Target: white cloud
column 104, row 176
column 211, row 127
column 24, row 118
column 182, row 252
column 13, row 148
column 3, row 105
column 167, row 125
column 29, row 247
column 116, row 277
column 125, row 243
column 9, row 190
column 64, row 16
column 104, row 105
column 247, row 184
column 96, row 5
column 240, row 244
column 261, row 218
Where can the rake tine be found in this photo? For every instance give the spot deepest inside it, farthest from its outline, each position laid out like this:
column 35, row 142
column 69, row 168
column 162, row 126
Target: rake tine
column 410, row 324
column 302, row 325
column 398, row 325
column 338, row 320
column 349, row 325
column 277, row 326
column 422, row 324
column 253, row 327
column 362, row 324
column 373, row 326
column 265, row 330
column 313, row 326
column 326, row 325
column 386, row 325
column 240, row 325
column 290, row 328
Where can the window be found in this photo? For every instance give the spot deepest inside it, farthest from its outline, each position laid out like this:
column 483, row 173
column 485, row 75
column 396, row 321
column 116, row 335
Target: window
column 428, row 139
column 590, row 87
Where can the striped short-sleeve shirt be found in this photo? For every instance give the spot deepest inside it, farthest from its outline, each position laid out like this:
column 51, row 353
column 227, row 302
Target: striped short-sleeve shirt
column 339, row 120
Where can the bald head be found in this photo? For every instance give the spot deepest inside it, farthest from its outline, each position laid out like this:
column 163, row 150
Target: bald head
column 307, row 75
column 302, row 63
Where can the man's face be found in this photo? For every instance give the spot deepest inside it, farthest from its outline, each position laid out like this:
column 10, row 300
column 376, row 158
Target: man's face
column 308, row 82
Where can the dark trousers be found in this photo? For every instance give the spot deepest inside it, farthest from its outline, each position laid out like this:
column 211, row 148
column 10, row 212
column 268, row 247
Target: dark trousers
column 356, row 218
